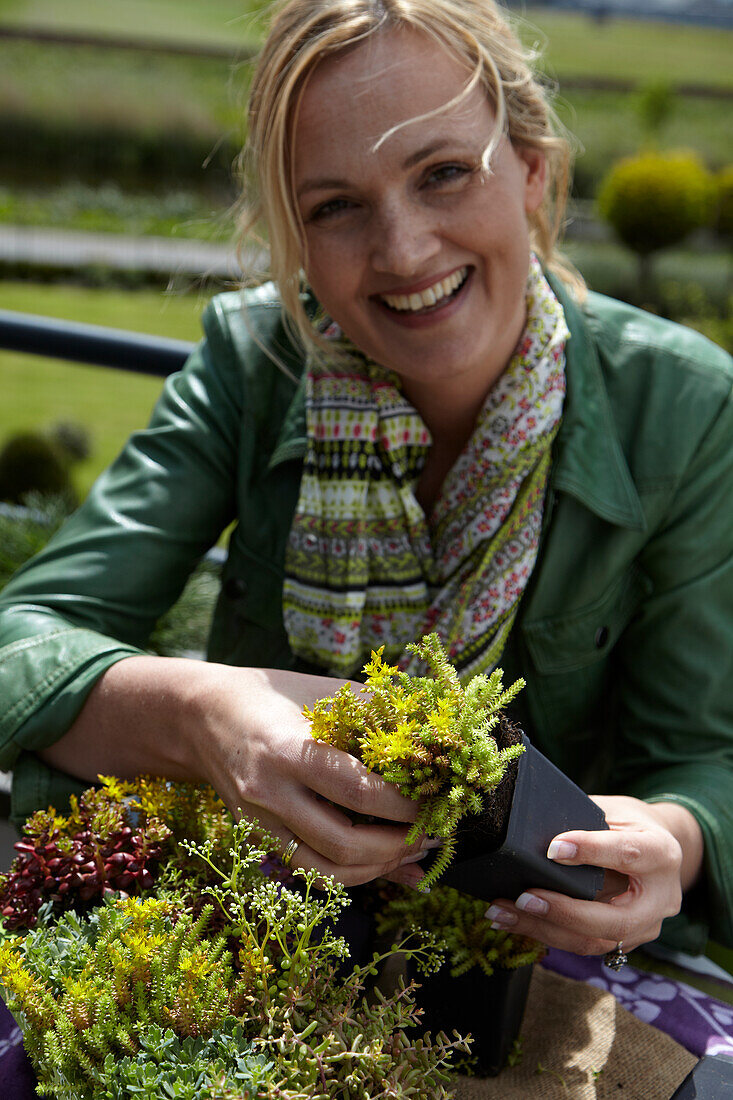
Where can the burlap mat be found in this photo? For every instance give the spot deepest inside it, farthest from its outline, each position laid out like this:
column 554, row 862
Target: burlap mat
column 578, row 1043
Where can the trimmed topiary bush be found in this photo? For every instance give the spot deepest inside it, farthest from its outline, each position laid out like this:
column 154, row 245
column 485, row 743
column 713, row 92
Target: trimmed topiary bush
column 654, row 200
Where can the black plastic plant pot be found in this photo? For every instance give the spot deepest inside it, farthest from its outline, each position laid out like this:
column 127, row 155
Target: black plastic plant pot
column 490, row 1009
column 545, row 802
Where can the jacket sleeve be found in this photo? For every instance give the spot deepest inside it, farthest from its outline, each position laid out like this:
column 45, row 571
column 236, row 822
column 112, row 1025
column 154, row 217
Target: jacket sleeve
column 675, row 729
column 94, row 594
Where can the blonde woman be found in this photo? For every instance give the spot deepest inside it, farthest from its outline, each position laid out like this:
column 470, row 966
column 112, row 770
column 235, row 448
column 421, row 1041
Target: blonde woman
column 422, row 423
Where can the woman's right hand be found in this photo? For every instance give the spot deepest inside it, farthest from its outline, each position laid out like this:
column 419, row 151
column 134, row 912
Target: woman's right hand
column 257, row 752
column 243, row 731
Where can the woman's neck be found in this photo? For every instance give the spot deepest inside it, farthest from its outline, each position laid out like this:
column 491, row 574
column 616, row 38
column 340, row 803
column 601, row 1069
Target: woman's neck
column 451, row 422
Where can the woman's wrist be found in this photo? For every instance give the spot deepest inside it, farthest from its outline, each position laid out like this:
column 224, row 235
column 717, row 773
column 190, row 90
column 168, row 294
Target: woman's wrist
column 685, row 828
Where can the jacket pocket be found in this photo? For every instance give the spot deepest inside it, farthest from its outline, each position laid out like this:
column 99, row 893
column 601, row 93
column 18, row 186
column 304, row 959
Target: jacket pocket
column 565, row 643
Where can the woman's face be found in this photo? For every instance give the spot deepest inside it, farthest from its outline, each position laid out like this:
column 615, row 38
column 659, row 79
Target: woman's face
column 418, row 255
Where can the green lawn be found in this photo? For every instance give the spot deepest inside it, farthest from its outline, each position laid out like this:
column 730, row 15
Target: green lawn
column 631, row 49
column 213, row 22
column 111, row 404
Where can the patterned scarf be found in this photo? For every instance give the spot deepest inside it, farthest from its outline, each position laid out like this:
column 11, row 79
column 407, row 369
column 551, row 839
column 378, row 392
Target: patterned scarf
column 364, row 566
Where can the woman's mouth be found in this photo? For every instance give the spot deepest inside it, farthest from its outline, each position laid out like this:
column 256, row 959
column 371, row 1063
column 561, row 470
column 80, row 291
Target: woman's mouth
column 427, row 301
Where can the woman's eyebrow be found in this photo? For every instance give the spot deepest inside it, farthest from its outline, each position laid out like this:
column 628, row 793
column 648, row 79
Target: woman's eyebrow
column 322, row 184
column 427, row 151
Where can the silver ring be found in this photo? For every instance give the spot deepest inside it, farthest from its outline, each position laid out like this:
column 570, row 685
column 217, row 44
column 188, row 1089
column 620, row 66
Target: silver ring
column 290, row 850
column 615, row 959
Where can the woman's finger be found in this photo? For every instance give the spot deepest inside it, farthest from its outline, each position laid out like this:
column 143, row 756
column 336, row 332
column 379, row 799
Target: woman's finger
column 356, row 874
column 632, row 917
column 343, row 779
column 621, row 919
column 565, row 937
column 295, row 811
column 628, row 851
column 343, row 842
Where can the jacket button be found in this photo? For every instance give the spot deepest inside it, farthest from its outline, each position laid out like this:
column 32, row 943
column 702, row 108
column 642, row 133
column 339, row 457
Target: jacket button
column 601, row 637
column 235, row 588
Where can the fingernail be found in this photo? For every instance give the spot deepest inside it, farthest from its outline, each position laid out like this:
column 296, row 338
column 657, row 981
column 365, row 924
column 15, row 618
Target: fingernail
column 500, row 918
column 562, row 849
column 530, row 903
column 432, row 842
column 414, row 857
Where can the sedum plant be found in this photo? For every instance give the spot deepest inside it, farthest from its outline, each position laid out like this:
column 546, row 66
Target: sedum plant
column 214, row 978
column 428, row 735
column 460, row 922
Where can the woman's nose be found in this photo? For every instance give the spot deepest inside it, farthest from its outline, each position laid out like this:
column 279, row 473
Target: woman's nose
column 404, row 241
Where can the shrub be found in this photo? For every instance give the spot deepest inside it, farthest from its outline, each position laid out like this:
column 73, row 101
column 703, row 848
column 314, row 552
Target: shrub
column 654, row 200
column 32, row 463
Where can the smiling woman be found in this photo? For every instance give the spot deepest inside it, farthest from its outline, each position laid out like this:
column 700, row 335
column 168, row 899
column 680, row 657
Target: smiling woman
column 412, row 208
column 462, row 440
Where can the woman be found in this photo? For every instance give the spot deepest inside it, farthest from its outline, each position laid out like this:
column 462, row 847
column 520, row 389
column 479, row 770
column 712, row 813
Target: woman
column 458, row 442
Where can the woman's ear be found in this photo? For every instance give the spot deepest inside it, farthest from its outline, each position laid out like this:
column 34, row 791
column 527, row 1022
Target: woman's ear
column 536, row 178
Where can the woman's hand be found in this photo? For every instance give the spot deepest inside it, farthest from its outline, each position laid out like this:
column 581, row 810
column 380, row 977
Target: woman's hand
column 258, row 754
column 653, row 852
column 243, row 731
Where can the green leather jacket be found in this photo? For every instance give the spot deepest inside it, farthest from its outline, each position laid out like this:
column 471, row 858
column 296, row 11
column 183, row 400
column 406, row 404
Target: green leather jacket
column 624, row 635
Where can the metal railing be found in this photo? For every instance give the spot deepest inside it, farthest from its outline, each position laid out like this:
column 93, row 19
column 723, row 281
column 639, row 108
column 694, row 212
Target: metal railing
column 93, row 344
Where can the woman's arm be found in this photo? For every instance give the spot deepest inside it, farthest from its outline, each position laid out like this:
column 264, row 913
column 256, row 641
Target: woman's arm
column 243, row 731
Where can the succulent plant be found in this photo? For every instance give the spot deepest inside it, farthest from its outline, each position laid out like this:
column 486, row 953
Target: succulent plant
column 74, row 862
column 428, row 735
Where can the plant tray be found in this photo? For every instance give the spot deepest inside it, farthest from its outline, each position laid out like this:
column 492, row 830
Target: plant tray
column 545, row 803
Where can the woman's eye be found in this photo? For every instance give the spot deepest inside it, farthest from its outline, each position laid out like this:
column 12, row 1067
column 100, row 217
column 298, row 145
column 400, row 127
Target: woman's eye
column 447, row 173
column 328, row 209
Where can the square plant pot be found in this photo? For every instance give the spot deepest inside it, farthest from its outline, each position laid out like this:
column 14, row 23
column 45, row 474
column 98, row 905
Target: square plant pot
column 490, row 1009
column 544, row 803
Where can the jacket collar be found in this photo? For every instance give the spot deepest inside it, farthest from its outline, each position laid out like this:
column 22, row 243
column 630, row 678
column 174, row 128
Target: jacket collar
column 589, row 462
column 292, row 440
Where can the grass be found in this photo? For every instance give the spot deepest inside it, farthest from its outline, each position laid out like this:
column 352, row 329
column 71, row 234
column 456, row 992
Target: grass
column 214, row 22
column 111, row 404
column 122, row 88
column 154, row 121
column 631, row 49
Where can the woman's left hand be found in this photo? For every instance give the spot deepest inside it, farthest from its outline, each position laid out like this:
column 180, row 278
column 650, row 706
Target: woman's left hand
column 652, row 852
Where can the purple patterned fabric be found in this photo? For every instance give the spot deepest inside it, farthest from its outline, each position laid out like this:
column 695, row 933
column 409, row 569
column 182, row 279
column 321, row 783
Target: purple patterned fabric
column 698, row 1022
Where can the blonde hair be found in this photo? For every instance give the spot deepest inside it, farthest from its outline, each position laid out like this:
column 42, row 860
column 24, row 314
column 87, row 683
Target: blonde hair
column 304, row 32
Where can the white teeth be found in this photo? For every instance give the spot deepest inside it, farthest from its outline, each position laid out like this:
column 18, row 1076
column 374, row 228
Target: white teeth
column 428, row 297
